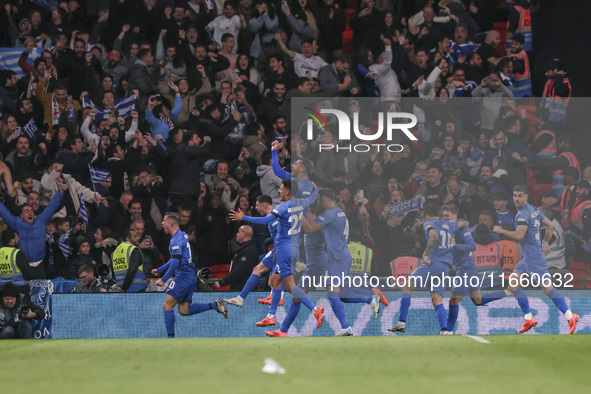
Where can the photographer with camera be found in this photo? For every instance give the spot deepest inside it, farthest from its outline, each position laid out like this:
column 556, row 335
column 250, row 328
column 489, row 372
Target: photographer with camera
column 17, row 313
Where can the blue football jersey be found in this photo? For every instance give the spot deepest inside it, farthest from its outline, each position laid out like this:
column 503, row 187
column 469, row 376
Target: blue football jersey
column 335, row 228
column 531, row 244
column 179, row 248
column 305, row 186
column 273, row 227
column 443, row 252
column 463, row 252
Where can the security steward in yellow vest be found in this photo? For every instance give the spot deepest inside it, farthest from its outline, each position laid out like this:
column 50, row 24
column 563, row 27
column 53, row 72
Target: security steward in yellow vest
column 128, row 264
column 14, row 266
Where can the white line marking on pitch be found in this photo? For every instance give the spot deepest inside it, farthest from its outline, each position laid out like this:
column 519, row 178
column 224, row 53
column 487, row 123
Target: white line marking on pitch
column 478, row 339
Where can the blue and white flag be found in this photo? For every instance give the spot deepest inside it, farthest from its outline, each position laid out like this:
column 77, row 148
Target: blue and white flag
column 30, row 128
column 124, row 105
column 83, row 212
column 64, row 244
column 398, row 208
column 97, row 175
column 9, row 59
column 47, row 5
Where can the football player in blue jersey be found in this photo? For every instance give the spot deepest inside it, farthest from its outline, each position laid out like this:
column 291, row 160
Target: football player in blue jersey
column 180, row 290
column 290, row 214
column 264, row 206
column 299, row 173
column 528, row 222
column 437, row 259
column 465, row 267
column 333, row 226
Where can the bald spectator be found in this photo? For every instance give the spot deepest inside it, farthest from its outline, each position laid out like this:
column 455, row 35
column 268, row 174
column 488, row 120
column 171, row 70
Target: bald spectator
column 487, row 50
column 245, row 259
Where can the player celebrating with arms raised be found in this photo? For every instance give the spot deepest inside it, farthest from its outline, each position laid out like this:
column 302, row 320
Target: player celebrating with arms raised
column 527, row 231
column 290, row 214
column 180, row 290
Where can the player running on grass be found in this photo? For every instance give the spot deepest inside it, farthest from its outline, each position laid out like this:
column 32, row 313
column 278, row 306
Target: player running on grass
column 437, row 257
column 180, row 290
column 290, row 214
column 527, row 231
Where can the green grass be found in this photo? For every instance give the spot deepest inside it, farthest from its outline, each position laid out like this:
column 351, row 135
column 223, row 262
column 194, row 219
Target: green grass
column 402, row 364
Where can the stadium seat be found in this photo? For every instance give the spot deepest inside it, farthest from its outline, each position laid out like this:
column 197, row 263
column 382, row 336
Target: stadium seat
column 511, row 256
column 501, row 27
column 536, row 189
column 220, row 271
column 404, row 266
column 581, row 274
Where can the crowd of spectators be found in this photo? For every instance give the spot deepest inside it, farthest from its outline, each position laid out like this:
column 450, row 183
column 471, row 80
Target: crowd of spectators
column 213, row 82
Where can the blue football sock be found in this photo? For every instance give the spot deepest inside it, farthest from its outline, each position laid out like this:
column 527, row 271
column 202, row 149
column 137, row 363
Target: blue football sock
column 198, row 308
column 301, row 295
column 356, row 292
column 250, row 285
column 453, row 316
column 356, row 295
column 275, row 298
column 441, row 318
column 357, row 300
column 292, row 313
column 169, row 322
column 522, row 300
column 490, row 296
column 282, row 287
column 338, row 308
column 404, row 305
column 558, row 300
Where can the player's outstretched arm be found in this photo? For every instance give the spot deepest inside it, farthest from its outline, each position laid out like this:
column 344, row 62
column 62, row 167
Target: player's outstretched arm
column 277, row 170
column 238, row 215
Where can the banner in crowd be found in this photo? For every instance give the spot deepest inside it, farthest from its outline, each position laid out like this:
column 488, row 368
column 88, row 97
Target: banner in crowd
column 9, row 59
column 41, row 291
column 114, row 315
column 124, row 105
column 398, row 208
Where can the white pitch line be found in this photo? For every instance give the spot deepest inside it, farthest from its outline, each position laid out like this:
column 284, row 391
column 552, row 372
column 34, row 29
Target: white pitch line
column 478, row 339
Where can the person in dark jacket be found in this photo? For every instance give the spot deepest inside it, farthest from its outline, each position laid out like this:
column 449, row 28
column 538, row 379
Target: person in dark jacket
column 143, row 78
column 17, row 313
column 245, row 259
column 186, row 168
column 120, row 161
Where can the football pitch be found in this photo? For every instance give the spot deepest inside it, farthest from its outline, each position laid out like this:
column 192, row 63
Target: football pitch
column 411, row 364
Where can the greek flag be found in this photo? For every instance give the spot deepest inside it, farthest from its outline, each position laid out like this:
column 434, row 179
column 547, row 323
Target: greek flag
column 97, row 175
column 9, row 59
column 83, row 212
column 47, row 5
column 124, row 105
column 398, row 208
column 30, row 128
column 64, row 243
